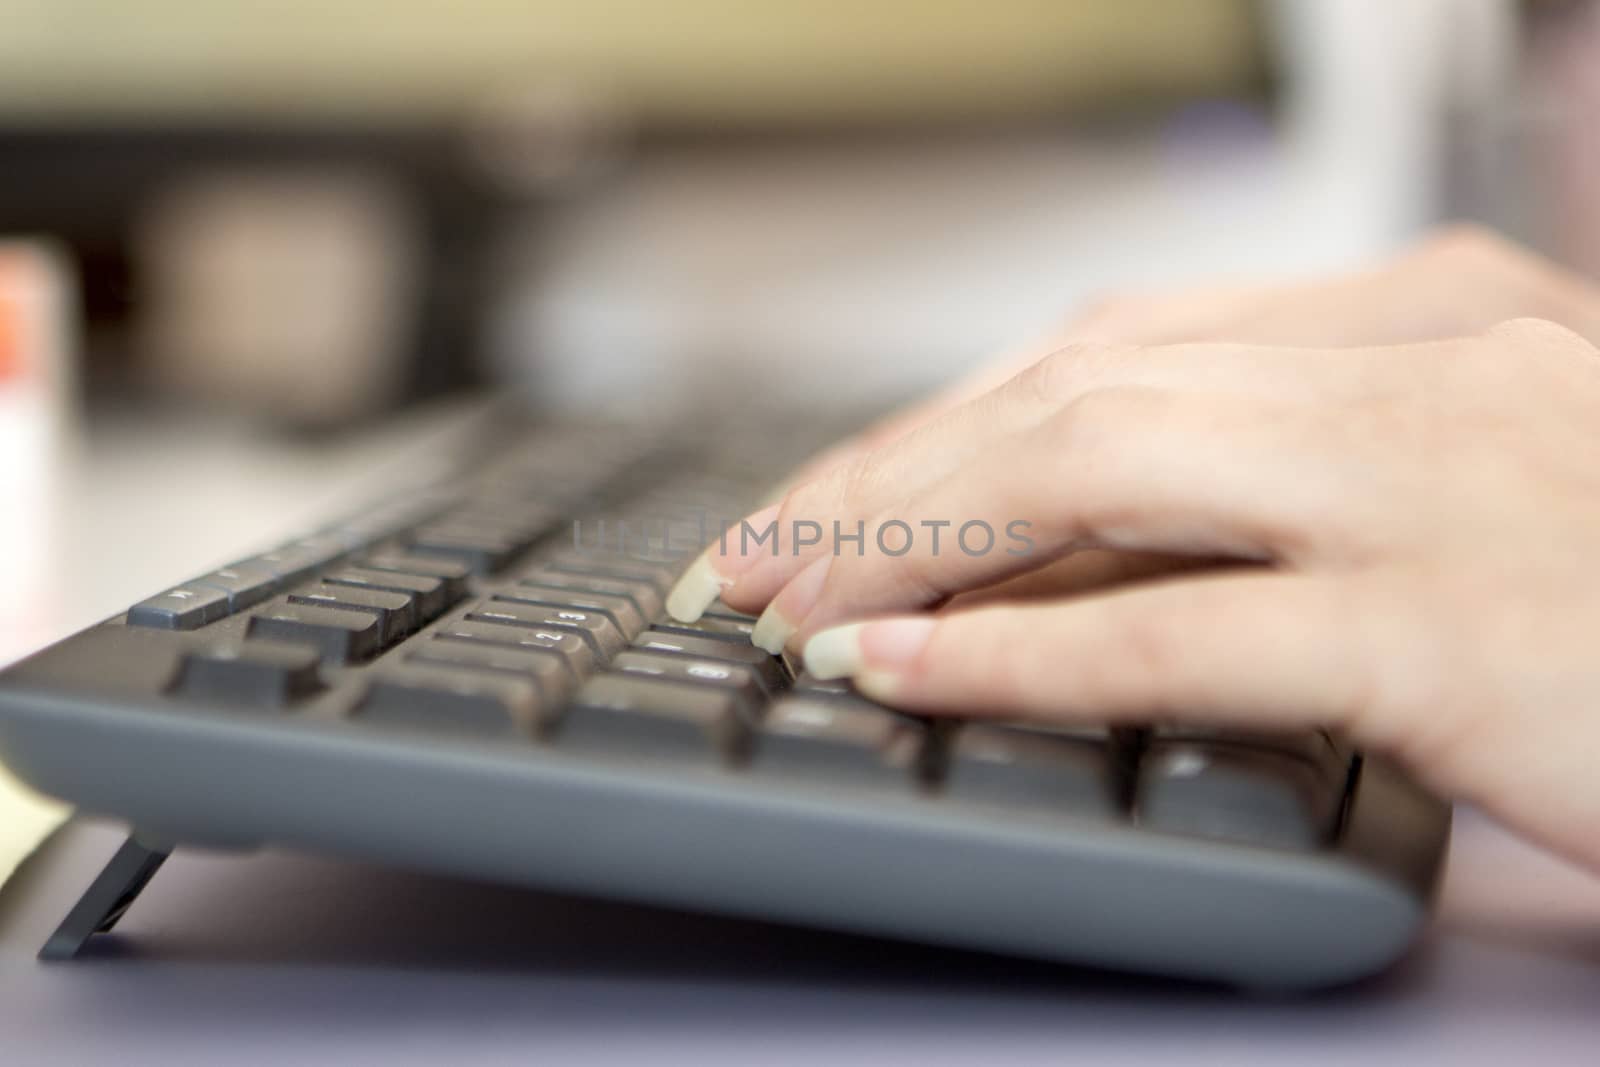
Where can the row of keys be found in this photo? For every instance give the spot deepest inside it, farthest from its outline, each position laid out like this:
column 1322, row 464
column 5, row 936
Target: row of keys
column 236, row 587
column 507, row 664
column 354, row 613
column 563, row 654
column 481, row 536
column 242, row 585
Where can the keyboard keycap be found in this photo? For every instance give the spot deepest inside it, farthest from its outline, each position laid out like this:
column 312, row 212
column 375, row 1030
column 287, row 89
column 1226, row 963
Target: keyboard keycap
column 1237, row 793
column 767, row 669
column 188, row 607
column 595, row 628
column 719, row 610
column 658, row 575
column 482, row 552
column 453, row 700
column 570, row 646
column 1032, row 770
column 453, row 573
column 549, row 669
column 828, row 741
column 340, row 636
column 619, row 609
column 614, row 714
column 643, row 595
column 736, row 679
column 297, row 561
column 396, row 612
column 1314, row 746
column 809, row 685
column 715, row 627
column 430, row 594
column 246, row 584
column 258, row 673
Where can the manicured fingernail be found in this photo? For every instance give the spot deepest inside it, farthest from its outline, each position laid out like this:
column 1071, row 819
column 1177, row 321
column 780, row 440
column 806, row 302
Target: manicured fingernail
column 871, row 652
column 699, row 586
column 771, row 632
column 713, row 571
column 835, row 653
column 790, row 607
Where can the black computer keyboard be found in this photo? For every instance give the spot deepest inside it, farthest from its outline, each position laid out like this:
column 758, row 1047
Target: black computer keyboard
column 472, row 677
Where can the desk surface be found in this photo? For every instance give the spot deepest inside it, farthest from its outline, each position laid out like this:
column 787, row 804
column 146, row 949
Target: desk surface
column 282, row 958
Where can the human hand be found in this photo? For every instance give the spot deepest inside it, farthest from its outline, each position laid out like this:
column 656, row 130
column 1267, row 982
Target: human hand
column 1419, row 524
column 1459, row 280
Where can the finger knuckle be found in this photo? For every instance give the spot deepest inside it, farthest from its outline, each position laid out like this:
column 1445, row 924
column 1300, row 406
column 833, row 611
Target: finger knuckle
column 1149, row 648
column 1467, row 245
column 1536, row 335
column 1067, row 371
column 804, row 501
column 1536, row 331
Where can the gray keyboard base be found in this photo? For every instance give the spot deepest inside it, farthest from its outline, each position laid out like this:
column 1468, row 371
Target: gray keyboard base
column 277, row 703
column 1053, row 889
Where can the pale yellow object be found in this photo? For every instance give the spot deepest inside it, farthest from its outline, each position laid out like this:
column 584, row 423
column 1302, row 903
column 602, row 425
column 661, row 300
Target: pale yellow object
column 26, row 819
column 687, row 60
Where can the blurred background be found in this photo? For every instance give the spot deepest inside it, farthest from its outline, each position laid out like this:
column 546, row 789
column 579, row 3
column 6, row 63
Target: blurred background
column 240, row 232
column 312, row 211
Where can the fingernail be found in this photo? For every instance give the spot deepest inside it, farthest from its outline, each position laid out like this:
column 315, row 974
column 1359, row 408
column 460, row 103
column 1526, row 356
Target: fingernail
column 875, row 652
column 713, row 571
column 790, row 607
column 699, row 586
column 835, row 653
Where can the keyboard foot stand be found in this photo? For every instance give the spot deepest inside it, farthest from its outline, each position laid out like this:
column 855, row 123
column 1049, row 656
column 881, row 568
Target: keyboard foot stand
column 113, row 890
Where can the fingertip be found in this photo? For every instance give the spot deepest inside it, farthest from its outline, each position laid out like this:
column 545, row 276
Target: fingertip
column 772, row 630
column 835, row 652
column 696, row 590
column 879, row 652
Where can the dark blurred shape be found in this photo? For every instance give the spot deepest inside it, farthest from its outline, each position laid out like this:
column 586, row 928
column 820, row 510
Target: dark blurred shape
column 106, row 191
column 299, row 212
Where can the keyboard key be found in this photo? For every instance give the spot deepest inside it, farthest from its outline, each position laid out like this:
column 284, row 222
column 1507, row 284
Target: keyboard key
column 827, row 741
column 452, row 573
column 1314, row 746
column 807, row 684
column 482, row 551
column 188, row 607
column 643, row 594
column 570, row 646
column 767, row 669
column 551, row 670
column 453, row 701
column 622, row 612
column 1033, row 770
column 246, row 584
column 340, row 636
column 642, row 717
column 258, row 673
column 715, row 627
column 396, row 612
column 659, row 576
column 297, row 561
column 1237, row 793
column 430, row 595
column 719, row 610
column 738, row 680
column 594, row 627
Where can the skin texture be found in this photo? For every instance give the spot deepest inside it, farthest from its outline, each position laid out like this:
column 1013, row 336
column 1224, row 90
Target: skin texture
column 1370, row 504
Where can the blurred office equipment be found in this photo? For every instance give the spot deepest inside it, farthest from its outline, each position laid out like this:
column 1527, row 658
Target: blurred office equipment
column 316, row 211
column 613, row 205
